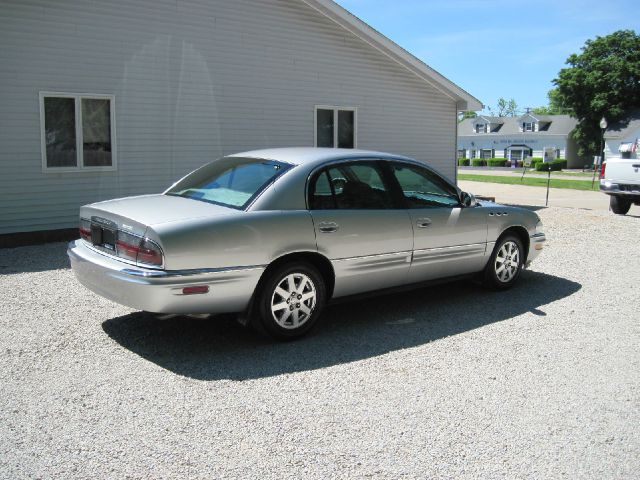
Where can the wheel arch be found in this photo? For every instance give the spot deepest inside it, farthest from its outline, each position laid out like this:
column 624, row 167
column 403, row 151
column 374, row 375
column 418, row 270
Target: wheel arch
column 322, row 263
column 522, row 234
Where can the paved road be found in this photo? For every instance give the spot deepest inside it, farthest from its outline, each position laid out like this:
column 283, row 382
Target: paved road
column 443, row 382
column 535, row 196
column 517, row 173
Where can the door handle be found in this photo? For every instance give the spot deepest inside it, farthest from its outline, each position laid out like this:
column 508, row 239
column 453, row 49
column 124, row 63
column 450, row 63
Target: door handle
column 328, row 227
column 423, row 222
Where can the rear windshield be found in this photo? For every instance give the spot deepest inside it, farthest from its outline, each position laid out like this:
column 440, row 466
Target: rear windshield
column 231, row 181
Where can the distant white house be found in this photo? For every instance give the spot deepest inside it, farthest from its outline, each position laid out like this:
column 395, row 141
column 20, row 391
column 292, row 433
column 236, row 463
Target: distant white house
column 622, row 139
column 516, row 138
column 108, row 99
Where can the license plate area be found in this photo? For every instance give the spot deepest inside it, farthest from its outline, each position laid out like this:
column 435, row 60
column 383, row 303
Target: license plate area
column 103, row 233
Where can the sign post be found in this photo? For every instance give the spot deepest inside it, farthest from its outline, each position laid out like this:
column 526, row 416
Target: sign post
column 546, row 203
column 597, row 160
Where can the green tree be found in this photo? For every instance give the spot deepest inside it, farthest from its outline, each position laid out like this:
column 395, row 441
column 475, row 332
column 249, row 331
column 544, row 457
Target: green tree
column 507, row 108
column 602, row 81
column 465, row 115
column 502, row 107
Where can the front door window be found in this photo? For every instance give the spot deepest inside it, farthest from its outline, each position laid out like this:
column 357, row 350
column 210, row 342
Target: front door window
column 423, row 188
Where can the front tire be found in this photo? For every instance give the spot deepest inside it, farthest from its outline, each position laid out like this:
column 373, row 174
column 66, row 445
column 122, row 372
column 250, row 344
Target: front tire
column 619, row 205
column 506, row 262
column 291, row 300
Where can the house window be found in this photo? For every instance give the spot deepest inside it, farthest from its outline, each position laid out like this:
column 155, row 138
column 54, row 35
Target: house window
column 462, row 153
column 486, row 153
column 481, row 128
column 527, row 127
column 517, row 155
column 77, row 132
column 336, row 127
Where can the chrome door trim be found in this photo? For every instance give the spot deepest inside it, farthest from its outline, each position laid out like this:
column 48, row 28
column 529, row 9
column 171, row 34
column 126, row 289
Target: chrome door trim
column 406, row 253
column 445, row 253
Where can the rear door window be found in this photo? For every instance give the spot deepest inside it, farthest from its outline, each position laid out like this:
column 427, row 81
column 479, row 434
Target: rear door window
column 351, row 186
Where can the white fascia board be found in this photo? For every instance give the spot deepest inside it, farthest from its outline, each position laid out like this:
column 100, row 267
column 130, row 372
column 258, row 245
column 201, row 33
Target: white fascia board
column 464, row 100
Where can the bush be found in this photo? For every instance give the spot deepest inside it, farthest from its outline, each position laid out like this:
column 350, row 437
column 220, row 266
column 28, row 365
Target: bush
column 497, row 162
column 478, row 162
column 534, row 160
column 463, row 162
column 554, row 166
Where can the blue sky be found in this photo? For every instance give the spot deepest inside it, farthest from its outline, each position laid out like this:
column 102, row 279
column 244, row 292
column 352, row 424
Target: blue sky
column 499, row 48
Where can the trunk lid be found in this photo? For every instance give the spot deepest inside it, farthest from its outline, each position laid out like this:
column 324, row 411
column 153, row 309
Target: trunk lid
column 149, row 210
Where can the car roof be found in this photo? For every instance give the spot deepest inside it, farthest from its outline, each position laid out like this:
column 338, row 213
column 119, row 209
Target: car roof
column 311, row 156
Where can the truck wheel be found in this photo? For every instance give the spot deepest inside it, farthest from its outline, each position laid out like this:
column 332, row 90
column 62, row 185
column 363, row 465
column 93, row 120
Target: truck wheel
column 619, row 205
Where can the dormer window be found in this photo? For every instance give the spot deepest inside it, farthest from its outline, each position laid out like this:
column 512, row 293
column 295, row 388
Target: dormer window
column 528, row 127
column 481, row 128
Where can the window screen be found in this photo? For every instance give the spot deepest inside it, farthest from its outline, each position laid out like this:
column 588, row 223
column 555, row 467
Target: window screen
column 77, row 131
column 96, row 132
column 60, row 132
column 325, row 127
column 335, row 127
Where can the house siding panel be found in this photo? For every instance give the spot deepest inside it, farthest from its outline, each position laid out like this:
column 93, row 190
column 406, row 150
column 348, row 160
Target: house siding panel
column 193, row 81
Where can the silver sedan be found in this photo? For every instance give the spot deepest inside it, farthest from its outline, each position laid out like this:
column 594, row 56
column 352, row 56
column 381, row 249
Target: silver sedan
column 276, row 234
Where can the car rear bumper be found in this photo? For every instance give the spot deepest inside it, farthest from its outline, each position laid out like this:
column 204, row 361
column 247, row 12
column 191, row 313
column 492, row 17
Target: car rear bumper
column 161, row 291
column 536, row 243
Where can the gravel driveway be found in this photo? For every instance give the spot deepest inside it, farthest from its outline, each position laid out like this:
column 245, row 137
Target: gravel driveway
column 444, row 382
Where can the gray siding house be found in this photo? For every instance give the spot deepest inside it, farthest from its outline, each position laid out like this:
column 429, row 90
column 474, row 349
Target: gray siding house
column 107, row 99
column 518, row 138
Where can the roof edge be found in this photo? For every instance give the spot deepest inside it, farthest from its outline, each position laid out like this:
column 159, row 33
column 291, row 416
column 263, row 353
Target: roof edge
column 464, row 100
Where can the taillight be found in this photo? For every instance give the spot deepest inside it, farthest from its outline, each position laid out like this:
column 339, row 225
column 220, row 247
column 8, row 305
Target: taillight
column 150, row 253
column 139, row 250
column 85, row 229
column 603, row 169
column 128, row 246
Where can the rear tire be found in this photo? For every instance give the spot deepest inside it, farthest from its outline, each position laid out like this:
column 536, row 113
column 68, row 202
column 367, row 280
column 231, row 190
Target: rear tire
column 291, row 300
column 506, row 262
column 619, row 205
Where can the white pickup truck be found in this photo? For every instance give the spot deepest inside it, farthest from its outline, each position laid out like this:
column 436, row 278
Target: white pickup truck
column 620, row 179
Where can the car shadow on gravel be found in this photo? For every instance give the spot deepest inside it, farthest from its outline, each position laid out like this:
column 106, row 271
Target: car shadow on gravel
column 219, row 348
column 35, row 258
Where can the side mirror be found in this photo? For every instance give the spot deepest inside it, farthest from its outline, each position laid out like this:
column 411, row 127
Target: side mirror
column 468, row 200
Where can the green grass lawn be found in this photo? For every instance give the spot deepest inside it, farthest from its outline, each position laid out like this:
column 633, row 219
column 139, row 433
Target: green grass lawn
column 532, row 181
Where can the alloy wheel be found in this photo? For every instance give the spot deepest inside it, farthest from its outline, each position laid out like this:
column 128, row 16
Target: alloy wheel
column 293, row 301
column 507, row 262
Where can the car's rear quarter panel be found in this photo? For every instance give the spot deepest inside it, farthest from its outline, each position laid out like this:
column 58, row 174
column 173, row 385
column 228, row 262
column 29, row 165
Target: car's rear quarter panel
column 254, row 238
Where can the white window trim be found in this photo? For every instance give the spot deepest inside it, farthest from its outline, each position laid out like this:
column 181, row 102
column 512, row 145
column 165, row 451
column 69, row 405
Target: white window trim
column 483, row 128
column 491, row 153
column 80, row 167
column 335, row 123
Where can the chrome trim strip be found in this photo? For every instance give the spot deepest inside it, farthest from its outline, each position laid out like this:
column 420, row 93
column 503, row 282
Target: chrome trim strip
column 346, row 259
column 471, row 247
column 188, row 273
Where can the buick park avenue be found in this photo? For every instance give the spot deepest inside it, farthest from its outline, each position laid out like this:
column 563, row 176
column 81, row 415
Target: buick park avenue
column 274, row 235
